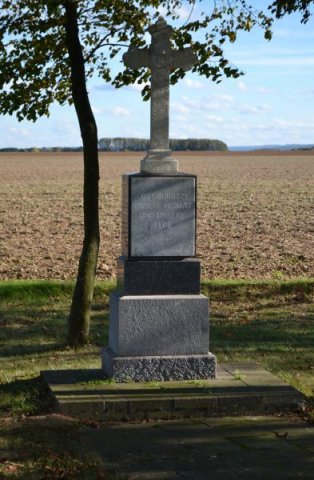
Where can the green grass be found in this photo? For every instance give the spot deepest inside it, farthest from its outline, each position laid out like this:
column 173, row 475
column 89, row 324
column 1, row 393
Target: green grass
column 33, row 323
column 267, row 321
column 30, row 291
column 271, row 322
column 46, row 447
column 301, row 289
column 38, row 291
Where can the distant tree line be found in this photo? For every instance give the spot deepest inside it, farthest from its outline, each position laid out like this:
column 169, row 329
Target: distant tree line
column 43, row 149
column 120, row 144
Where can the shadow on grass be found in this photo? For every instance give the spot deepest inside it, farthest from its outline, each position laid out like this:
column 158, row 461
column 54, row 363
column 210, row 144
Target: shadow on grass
column 279, row 337
column 27, row 331
column 47, row 447
column 263, row 335
column 22, row 396
column 34, row 348
column 282, row 345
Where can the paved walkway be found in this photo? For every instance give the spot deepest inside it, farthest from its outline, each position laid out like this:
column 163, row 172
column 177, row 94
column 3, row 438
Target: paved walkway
column 218, row 448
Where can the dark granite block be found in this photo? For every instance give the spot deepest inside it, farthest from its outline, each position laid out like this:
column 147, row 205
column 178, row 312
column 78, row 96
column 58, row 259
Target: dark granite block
column 158, row 277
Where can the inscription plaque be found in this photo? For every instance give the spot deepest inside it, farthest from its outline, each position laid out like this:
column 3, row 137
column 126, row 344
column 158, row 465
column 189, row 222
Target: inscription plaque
column 162, row 216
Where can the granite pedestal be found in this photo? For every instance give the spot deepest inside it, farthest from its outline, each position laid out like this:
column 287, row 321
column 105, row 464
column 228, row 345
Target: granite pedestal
column 159, row 321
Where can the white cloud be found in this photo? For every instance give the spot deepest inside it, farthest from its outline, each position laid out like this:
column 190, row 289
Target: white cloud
column 189, row 102
column 120, row 112
column 213, row 118
column 293, row 34
column 264, row 107
column 293, row 123
column 133, row 132
column 242, row 86
column 184, row 12
column 43, row 133
column 235, row 130
column 20, row 131
column 179, row 107
column 265, row 90
column 195, row 84
column 137, row 87
column 16, row 136
column 215, row 102
column 97, row 110
column 103, row 87
column 305, row 61
column 180, row 118
column 269, row 49
column 254, row 109
column 223, row 97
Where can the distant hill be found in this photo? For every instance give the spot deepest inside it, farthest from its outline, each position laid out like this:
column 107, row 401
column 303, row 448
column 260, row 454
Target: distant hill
column 292, row 146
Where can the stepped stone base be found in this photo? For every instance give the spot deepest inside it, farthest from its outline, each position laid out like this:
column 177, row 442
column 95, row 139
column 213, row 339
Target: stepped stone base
column 158, row 368
column 82, row 394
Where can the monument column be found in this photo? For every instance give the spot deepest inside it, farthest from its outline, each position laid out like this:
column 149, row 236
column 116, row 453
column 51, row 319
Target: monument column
column 159, row 327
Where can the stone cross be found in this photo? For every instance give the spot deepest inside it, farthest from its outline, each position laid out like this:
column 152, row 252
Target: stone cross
column 161, row 59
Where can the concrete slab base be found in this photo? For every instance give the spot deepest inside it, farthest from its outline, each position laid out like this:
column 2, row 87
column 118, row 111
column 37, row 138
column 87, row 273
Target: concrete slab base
column 158, row 368
column 239, row 389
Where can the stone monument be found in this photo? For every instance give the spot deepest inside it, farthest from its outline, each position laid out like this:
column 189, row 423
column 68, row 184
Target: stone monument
column 158, row 320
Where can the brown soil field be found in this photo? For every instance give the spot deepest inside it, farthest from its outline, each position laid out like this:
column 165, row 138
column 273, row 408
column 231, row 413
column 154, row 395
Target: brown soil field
column 255, row 213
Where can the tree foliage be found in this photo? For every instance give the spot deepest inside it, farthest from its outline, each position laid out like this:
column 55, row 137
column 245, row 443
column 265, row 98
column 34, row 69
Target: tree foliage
column 279, row 8
column 34, row 61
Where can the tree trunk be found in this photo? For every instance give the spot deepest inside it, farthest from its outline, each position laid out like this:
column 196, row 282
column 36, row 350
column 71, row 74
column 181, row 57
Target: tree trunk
column 79, row 318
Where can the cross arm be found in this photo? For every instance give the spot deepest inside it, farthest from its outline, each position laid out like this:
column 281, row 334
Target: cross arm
column 137, row 58
column 184, row 59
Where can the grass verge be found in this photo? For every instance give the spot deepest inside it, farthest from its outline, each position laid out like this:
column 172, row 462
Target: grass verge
column 269, row 322
column 46, row 447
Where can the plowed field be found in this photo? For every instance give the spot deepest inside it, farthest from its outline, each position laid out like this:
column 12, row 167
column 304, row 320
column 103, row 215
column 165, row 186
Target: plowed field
column 255, row 213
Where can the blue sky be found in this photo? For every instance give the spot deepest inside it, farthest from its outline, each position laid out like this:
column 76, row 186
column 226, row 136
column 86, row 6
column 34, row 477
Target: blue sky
column 273, row 103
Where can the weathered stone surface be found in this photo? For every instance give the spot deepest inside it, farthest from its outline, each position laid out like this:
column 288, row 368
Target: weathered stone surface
column 158, row 368
column 158, row 325
column 162, row 336
column 160, row 58
column 158, row 277
column 159, row 161
column 159, row 218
